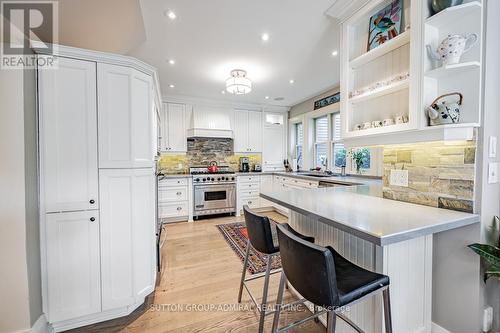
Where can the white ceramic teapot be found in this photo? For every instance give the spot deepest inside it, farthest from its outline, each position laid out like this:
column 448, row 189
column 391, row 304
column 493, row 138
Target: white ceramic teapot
column 442, row 113
column 452, row 47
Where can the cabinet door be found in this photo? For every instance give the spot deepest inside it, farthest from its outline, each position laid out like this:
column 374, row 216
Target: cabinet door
column 73, row 268
column 142, row 120
column 68, row 135
column 125, row 111
column 127, row 235
column 255, row 132
column 241, row 131
column 177, row 141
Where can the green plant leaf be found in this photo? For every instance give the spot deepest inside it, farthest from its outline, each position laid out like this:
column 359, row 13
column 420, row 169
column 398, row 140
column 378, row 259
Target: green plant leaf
column 488, row 252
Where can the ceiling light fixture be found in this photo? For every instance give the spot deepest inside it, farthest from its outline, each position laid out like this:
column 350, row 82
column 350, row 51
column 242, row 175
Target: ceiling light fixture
column 223, row 92
column 335, row 53
column 171, row 62
column 238, row 83
column 171, row 86
column 292, row 81
column 170, row 14
column 265, row 37
column 267, row 97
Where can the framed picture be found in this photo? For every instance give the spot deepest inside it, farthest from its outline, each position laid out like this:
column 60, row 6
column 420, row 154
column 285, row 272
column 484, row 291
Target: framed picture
column 327, row 101
column 385, row 25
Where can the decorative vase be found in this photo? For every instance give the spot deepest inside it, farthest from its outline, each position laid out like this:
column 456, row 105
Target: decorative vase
column 439, row 5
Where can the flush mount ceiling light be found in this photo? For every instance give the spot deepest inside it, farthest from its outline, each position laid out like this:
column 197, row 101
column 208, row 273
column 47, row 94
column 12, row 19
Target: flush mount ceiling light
column 238, row 83
column 264, row 37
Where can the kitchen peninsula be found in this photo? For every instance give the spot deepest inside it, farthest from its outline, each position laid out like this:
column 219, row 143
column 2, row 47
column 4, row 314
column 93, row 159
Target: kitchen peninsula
column 391, row 237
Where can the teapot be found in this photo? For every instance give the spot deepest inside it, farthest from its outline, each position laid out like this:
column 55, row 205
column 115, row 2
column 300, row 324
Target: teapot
column 444, row 113
column 452, row 47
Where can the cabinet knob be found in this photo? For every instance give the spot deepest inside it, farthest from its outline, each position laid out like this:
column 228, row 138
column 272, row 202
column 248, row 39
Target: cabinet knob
column 250, row 202
column 92, row 219
column 179, row 193
column 179, row 208
column 92, row 201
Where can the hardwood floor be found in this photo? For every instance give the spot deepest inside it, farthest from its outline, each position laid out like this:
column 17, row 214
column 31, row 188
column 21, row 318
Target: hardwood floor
column 201, row 270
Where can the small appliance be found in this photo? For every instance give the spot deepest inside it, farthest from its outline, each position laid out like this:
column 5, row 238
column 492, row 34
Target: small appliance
column 257, row 168
column 244, row 164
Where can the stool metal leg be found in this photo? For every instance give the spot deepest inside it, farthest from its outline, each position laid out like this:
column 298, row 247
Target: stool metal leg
column 245, row 263
column 387, row 310
column 279, row 302
column 316, row 310
column 331, row 321
column 264, row 294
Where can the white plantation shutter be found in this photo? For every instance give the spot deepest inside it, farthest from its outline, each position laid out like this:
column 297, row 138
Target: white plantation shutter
column 321, row 129
column 299, row 128
column 336, row 127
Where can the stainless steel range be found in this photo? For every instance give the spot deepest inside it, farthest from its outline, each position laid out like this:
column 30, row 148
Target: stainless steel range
column 214, row 192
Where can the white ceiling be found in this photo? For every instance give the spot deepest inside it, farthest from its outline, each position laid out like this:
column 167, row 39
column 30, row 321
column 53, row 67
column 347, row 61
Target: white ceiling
column 209, row 38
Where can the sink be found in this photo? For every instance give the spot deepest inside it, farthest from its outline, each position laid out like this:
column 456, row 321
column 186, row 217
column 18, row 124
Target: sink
column 319, row 175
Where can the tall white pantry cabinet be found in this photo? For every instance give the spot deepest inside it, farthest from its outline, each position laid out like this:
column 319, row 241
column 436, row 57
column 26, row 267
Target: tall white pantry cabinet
column 97, row 186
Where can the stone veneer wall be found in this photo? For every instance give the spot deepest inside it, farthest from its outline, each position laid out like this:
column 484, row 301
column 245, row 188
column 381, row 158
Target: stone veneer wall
column 439, row 174
column 201, row 151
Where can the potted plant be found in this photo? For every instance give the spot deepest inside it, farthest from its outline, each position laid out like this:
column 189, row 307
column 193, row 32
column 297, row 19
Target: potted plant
column 359, row 156
column 490, row 253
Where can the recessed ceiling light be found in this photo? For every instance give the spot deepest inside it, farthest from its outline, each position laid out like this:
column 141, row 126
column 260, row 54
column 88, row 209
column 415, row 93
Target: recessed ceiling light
column 171, row 61
column 171, row 86
column 223, row 92
column 265, row 37
column 267, row 97
column 335, row 53
column 170, row 14
column 292, row 81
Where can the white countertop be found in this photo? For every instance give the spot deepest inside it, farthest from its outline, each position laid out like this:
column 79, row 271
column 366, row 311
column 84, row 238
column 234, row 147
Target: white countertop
column 375, row 219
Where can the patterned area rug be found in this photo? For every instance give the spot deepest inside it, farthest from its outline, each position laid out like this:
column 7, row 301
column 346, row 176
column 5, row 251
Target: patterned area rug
column 236, row 235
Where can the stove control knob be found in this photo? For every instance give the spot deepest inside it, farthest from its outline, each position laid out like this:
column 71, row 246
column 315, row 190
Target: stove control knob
column 218, row 178
column 213, row 179
column 197, row 180
column 223, row 178
column 204, row 179
column 232, row 178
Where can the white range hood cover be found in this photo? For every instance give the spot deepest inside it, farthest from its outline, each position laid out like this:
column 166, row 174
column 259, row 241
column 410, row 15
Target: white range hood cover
column 211, row 122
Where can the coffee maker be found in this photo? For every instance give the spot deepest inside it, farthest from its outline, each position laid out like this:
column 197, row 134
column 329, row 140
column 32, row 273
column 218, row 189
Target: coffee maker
column 244, row 164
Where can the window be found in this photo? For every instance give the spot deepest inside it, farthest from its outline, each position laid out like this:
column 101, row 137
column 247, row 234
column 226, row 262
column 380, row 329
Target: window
column 321, row 141
column 299, row 143
column 338, row 150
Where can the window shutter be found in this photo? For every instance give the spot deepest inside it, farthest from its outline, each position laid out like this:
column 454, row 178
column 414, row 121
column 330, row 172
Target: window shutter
column 321, row 129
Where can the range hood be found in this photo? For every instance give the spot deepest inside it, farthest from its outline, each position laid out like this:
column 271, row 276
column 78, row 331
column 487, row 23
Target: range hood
column 210, row 122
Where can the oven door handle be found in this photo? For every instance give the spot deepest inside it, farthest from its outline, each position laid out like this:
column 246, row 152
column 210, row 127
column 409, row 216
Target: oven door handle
column 215, row 187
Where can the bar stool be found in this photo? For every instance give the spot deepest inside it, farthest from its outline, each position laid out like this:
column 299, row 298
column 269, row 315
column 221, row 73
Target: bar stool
column 263, row 238
column 326, row 279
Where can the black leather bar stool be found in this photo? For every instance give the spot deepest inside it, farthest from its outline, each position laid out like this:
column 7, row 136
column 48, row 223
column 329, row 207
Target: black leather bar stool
column 262, row 237
column 326, row 279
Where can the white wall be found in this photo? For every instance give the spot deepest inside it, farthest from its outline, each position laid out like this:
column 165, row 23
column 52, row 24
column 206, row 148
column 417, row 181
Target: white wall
column 308, row 105
column 20, row 289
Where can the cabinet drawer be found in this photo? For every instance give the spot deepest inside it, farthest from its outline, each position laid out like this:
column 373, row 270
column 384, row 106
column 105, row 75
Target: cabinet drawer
column 173, row 194
column 173, row 209
column 302, row 182
column 248, row 179
column 169, row 182
column 251, row 202
column 248, row 193
column 248, row 186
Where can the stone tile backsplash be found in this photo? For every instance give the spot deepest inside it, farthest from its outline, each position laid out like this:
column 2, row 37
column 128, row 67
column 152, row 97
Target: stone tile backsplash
column 201, row 151
column 439, row 174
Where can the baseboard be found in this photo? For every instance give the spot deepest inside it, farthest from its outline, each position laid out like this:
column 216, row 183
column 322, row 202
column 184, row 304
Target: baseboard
column 435, row 328
column 41, row 325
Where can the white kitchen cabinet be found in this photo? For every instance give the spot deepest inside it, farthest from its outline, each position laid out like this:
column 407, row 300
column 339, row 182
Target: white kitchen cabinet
column 73, row 267
column 274, row 138
column 174, row 199
column 68, row 136
column 125, row 117
column 174, row 124
column 247, row 131
column 127, row 235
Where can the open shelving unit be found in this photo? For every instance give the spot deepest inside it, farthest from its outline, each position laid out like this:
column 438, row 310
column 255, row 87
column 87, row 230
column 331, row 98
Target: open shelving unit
column 363, row 70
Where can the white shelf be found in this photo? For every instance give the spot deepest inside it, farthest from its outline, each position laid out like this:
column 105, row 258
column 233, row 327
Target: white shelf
column 453, row 69
column 385, row 48
column 379, row 130
column 451, row 126
column 453, row 14
column 400, row 85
